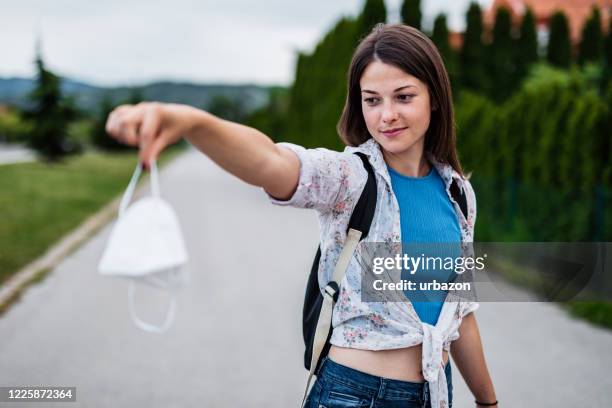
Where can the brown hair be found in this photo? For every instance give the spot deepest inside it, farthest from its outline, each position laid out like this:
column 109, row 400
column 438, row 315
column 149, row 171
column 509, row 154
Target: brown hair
column 411, row 51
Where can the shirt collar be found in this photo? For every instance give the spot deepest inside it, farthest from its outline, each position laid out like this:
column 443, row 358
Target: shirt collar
column 372, row 149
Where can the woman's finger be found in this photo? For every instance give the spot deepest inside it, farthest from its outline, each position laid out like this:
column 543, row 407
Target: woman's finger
column 149, row 130
column 129, row 124
column 151, row 151
column 122, row 124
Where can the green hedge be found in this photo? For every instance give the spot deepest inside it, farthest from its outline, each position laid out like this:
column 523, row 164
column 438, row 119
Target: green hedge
column 540, row 160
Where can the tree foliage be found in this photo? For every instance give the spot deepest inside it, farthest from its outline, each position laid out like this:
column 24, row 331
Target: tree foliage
column 374, row 12
column 559, row 47
column 411, row 13
column 501, row 57
column 472, row 56
column 440, row 37
column 527, row 45
column 49, row 115
column 591, row 42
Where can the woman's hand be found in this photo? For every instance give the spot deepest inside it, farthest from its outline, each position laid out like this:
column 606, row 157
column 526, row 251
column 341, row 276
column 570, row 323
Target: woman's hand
column 152, row 126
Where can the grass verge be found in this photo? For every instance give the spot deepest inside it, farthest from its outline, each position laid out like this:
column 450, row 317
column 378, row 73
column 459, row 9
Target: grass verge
column 42, row 202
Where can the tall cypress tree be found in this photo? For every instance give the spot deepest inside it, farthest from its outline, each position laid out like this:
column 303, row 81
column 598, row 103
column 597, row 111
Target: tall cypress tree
column 411, row 13
column 441, row 40
column 606, row 77
column 501, row 57
column 439, row 36
column 591, row 41
column 472, row 58
column 50, row 115
column 374, row 12
column 527, row 46
column 559, row 47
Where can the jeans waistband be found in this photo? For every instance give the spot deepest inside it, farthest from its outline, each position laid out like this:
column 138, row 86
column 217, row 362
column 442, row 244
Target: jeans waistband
column 373, row 385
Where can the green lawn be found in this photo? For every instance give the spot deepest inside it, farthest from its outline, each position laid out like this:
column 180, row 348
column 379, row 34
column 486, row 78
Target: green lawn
column 39, row 203
column 597, row 312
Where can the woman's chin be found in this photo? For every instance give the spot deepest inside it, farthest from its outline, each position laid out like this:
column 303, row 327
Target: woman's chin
column 397, row 145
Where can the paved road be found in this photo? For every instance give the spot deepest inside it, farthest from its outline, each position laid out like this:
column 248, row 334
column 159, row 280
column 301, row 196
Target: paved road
column 11, row 153
column 237, row 338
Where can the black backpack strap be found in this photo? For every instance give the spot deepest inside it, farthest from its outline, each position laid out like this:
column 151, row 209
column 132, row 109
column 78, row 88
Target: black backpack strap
column 362, row 216
column 459, row 196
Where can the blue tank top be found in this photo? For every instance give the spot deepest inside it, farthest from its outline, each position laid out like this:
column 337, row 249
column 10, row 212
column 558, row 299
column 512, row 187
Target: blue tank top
column 426, row 216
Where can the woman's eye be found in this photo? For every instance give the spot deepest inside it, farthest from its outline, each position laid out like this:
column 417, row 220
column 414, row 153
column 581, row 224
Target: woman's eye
column 405, row 97
column 370, row 101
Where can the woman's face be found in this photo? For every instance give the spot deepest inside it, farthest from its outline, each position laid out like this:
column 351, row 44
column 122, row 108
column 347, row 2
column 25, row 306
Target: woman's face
column 396, row 109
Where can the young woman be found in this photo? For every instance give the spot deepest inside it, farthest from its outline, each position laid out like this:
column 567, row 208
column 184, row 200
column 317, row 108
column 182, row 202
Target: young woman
column 399, row 113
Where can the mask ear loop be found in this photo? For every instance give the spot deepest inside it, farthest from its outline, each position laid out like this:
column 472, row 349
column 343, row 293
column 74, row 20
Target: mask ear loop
column 129, row 191
column 148, row 326
column 154, row 180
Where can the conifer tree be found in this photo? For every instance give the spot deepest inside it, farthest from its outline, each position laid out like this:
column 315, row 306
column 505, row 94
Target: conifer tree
column 606, row 76
column 472, row 56
column 439, row 36
column 527, row 46
column 50, row 115
column 591, row 41
column 411, row 13
column 501, row 58
column 440, row 39
column 559, row 47
column 374, row 12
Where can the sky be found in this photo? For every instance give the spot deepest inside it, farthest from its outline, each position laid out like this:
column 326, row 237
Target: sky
column 134, row 42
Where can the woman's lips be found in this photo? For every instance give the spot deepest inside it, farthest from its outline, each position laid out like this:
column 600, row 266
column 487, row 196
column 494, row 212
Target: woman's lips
column 393, row 132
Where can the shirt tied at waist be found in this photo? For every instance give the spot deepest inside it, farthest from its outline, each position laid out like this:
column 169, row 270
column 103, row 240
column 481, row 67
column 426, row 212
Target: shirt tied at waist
column 433, row 367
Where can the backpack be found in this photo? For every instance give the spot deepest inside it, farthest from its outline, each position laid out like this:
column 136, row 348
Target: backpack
column 318, row 307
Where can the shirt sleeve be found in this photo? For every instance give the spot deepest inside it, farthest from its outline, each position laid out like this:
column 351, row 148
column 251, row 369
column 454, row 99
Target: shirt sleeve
column 468, row 307
column 328, row 179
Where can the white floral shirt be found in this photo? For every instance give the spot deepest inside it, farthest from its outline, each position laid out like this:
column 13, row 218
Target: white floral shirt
column 331, row 183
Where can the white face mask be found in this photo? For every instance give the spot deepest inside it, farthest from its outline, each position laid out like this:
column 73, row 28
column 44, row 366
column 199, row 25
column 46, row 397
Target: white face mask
column 146, row 245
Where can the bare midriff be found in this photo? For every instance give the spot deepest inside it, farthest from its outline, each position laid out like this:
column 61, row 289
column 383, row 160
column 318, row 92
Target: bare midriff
column 399, row 364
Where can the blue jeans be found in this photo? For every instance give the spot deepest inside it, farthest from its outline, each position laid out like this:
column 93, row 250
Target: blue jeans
column 341, row 386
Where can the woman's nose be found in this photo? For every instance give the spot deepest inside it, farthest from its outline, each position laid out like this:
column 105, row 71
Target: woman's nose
column 389, row 114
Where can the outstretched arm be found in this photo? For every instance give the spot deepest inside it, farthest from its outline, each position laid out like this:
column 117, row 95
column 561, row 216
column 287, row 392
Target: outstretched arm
column 241, row 150
column 468, row 356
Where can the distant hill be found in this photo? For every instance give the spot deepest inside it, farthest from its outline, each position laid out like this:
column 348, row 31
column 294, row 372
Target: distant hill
column 14, row 91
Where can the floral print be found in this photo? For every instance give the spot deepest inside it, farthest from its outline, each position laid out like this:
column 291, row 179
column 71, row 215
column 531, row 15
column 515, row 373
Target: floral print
column 331, row 182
